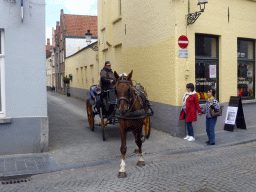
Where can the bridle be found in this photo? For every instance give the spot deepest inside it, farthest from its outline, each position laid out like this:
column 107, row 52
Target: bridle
column 128, row 100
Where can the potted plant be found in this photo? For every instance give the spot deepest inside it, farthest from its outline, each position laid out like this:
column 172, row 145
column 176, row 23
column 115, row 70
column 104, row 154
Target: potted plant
column 66, row 79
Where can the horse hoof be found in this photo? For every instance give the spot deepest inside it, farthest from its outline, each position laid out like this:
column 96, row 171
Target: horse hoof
column 141, row 163
column 136, row 151
column 122, row 174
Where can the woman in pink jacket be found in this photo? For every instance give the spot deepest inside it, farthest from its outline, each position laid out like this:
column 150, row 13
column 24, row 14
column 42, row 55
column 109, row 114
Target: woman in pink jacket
column 188, row 112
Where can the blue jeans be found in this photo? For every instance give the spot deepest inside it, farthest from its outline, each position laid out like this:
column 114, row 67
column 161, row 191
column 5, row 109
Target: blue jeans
column 190, row 129
column 210, row 125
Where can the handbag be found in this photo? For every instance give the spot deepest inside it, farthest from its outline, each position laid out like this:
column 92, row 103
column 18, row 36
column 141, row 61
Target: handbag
column 215, row 113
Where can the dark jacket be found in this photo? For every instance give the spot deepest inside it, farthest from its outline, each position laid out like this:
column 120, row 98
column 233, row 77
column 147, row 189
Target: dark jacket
column 105, row 76
column 192, row 106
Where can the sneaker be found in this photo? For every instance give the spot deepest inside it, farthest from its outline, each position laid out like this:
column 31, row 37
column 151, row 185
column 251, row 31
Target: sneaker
column 191, row 138
column 187, row 137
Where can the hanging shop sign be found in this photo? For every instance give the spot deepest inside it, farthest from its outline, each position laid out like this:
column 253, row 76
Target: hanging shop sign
column 212, row 70
column 183, row 41
column 235, row 114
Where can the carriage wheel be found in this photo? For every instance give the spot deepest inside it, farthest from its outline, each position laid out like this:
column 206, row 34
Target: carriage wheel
column 147, row 126
column 103, row 124
column 90, row 114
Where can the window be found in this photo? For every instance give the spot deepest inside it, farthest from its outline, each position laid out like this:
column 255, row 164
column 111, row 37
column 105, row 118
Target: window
column 206, row 65
column 120, row 7
column 118, row 10
column 2, row 75
column 246, row 68
column 0, row 44
column 62, row 83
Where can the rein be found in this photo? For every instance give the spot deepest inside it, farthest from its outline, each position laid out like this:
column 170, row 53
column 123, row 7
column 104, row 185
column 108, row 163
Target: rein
column 137, row 94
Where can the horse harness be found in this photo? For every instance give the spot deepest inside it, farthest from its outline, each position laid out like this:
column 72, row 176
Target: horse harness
column 138, row 93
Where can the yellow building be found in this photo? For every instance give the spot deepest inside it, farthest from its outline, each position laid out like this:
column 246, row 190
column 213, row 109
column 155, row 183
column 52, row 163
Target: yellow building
column 82, row 68
column 143, row 36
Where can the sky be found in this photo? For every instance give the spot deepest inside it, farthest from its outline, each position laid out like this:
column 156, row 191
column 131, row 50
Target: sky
column 77, row 7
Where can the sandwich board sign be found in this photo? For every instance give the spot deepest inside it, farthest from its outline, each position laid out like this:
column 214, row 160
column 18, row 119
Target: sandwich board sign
column 235, row 114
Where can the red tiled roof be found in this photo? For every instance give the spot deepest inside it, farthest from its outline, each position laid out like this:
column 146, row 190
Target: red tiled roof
column 77, row 25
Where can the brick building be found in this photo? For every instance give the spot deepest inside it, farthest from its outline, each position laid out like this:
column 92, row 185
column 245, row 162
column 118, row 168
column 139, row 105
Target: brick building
column 69, row 37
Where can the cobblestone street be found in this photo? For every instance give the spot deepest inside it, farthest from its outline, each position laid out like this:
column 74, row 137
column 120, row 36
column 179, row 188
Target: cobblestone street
column 219, row 169
column 79, row 160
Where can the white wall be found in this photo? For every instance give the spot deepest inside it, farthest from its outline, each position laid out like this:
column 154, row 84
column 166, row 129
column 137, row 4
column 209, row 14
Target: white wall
column 73, row 45
column 25, row 77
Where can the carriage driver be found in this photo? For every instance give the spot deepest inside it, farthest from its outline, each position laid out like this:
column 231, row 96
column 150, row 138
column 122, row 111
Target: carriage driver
column 107, row 77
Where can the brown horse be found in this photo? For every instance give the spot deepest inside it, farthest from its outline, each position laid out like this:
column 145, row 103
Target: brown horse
column 131, row 116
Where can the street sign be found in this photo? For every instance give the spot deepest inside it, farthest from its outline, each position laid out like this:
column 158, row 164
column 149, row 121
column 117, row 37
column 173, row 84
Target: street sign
column 183, row 41
column 182, row 53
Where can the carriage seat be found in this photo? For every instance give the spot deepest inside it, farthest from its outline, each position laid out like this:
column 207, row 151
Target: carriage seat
column 110, row 96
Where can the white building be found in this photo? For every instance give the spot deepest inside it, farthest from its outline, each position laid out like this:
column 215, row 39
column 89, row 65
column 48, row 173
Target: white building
column 23, row 108
column 74, row 45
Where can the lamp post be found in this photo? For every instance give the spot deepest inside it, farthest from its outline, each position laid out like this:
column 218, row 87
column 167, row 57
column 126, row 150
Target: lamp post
column 88, row 37
column 192, row 17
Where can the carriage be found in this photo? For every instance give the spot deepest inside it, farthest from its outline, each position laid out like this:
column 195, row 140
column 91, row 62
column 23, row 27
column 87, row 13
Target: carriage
column 106, row 109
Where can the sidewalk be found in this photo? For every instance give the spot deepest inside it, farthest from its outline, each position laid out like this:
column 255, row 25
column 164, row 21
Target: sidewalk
column 73, row 145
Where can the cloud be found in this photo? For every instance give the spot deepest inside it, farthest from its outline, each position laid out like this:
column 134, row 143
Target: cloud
column 81, row 7
column 48, row 33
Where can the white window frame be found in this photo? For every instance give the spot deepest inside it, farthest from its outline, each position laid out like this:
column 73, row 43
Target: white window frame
column 2, row 56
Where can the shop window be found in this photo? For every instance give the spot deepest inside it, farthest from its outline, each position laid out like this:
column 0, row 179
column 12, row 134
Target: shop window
column 206, row 65
column 246, row 69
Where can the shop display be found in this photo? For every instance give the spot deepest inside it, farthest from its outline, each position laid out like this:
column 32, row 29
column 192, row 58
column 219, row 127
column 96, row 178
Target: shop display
column 204, row 79
column 244, row 82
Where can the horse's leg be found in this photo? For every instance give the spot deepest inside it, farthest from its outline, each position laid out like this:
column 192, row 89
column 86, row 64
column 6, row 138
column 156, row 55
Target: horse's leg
column 137, row 149
column 142, row 138
column 123, row 148
column 137, row 133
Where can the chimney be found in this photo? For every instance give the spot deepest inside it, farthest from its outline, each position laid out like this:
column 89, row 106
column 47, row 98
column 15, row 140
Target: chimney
column 48, row 41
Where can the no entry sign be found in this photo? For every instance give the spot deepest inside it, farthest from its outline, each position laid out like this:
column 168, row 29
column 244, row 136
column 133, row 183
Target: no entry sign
column 183, row 41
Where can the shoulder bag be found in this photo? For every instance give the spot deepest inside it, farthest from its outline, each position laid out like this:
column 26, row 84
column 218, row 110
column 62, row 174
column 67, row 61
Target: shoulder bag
column 215, row 113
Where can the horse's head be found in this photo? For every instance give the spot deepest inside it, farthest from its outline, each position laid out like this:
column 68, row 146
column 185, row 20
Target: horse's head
column 123, row 89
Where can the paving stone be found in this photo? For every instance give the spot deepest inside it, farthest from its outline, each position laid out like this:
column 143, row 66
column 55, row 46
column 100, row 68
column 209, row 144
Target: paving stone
column 182, row 167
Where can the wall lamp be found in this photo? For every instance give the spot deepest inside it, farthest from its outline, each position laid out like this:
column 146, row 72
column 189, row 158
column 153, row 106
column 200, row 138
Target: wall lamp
column 88, row 37
column 192, row 17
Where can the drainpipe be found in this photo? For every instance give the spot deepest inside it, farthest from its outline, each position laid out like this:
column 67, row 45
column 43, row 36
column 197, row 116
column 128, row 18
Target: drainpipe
column 55, row 82
column 58, row 66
